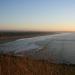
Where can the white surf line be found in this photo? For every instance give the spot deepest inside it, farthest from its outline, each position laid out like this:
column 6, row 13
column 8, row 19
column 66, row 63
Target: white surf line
column 26, row 41
column 45, row 36
column 35, row 39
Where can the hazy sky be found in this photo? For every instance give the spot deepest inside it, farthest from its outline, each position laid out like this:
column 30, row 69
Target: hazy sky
column 37, row 15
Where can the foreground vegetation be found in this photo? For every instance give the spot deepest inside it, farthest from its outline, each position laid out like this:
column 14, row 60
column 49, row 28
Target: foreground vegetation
column 16, row 65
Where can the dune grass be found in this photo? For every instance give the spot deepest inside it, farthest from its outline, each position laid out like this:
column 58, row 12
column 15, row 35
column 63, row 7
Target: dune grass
column 15, row 65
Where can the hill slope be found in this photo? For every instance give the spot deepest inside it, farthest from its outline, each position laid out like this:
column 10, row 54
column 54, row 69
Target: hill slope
column 15, row 65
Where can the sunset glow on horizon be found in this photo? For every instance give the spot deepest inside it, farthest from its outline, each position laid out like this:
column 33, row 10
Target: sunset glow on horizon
column 37, row 15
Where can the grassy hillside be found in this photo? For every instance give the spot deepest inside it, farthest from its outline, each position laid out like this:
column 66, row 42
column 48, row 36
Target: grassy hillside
column 15, row 65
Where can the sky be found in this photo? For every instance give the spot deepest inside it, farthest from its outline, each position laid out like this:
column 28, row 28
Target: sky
column 37, row 15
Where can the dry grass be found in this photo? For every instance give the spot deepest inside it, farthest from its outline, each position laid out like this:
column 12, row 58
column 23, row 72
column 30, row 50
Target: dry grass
column 14, row 65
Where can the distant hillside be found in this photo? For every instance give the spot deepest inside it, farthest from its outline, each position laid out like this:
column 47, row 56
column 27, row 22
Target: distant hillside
column 11, row 36
column 14, row 65
column 30, row 34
